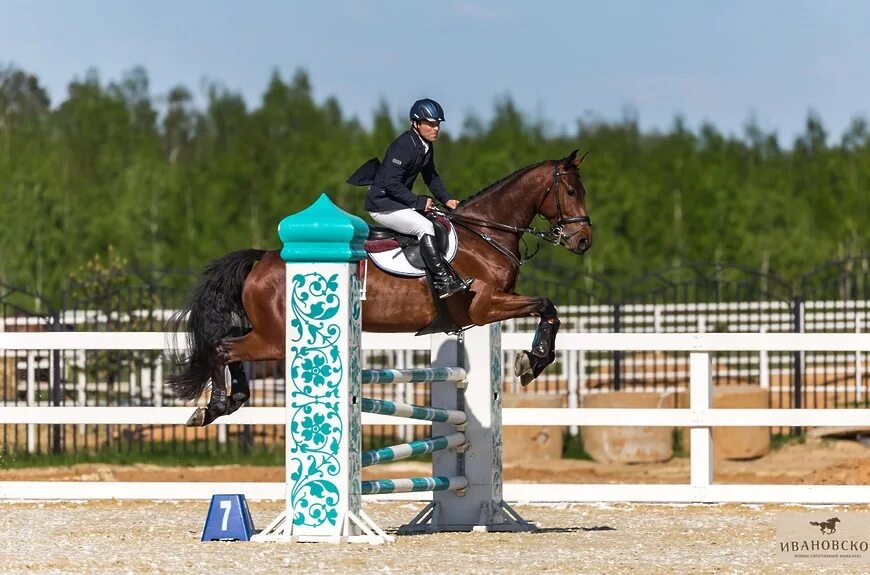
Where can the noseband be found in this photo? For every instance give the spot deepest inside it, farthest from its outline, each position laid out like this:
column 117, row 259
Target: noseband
column 556, row 235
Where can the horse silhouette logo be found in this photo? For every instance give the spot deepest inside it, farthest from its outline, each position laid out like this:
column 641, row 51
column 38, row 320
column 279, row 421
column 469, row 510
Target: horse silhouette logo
column 827, row 527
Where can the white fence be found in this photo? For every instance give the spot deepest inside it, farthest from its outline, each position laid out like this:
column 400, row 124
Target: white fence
column 700, row 417
column 646, row 371
column 577, row 371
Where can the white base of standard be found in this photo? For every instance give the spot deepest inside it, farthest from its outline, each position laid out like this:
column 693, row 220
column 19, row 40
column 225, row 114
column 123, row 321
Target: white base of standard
column 281, row 530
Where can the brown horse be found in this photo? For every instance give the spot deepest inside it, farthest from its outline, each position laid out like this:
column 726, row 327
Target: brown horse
column 236, row 312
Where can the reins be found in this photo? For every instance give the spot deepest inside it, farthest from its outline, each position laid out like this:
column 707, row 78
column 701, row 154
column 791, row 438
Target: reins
column 466, row 222
column 554, row 235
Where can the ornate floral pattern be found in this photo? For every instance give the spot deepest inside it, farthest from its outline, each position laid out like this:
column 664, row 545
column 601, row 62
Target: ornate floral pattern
column 316, row 425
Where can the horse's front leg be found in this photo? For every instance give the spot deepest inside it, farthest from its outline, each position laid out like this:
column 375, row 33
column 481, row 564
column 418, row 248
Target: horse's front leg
column 492, row 305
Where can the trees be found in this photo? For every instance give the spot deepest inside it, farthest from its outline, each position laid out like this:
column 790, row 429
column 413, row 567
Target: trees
column 177, row 187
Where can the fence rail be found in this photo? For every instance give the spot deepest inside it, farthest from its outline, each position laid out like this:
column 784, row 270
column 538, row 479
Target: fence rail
column 699, row 417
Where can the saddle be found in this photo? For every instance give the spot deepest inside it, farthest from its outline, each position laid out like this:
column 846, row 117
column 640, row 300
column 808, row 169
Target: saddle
column 399, row 254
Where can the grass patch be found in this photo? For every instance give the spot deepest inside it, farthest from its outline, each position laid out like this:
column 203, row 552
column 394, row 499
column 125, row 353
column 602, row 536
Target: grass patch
column 677, row 442
column 780, row 440
column 572, row 447
column 170, row 454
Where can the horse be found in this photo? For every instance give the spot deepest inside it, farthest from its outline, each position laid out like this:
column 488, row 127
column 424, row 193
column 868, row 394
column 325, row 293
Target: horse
column 827, row 527
column 235, row 313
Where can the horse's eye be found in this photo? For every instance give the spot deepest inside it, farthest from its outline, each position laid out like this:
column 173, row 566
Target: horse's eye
column 572, row 191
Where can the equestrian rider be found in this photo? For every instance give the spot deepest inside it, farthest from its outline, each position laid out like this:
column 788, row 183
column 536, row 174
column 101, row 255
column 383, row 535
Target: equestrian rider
column 391, row 203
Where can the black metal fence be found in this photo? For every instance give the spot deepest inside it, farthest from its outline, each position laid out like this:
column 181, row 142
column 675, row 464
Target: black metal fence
column 720, row 298
column 711, row 298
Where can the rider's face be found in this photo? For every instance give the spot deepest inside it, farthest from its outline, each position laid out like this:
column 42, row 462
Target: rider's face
column 429, row 130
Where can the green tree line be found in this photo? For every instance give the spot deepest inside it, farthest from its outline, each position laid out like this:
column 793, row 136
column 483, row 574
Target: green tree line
column 162, row 183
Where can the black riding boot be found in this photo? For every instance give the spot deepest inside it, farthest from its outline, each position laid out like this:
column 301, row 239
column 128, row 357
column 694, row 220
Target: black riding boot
column 445, row 284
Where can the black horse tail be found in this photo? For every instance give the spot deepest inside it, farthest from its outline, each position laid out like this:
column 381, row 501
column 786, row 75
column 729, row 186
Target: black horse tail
column 213, row 310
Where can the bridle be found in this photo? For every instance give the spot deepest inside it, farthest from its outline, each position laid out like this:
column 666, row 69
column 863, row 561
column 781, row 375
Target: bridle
column 554, row 235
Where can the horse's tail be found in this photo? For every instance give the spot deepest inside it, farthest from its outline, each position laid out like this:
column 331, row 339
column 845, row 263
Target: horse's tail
column 213, row 311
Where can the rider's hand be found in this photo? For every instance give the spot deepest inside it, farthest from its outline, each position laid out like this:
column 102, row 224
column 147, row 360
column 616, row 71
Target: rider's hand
column 429, row 205
column 452, row 204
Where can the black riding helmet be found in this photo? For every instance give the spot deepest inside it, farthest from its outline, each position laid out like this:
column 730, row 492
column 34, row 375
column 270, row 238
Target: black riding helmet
column 426, row 109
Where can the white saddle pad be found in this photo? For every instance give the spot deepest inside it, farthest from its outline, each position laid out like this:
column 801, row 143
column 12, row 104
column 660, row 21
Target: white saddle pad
column 394, row 261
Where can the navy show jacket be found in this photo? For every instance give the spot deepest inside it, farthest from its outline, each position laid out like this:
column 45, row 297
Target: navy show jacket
column 403, row 161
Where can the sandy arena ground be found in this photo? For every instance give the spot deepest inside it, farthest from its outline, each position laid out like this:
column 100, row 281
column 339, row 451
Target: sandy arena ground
column 163, row 537
column 154, row 537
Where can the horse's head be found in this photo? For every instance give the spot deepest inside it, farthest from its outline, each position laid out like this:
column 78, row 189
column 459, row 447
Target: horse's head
column 564, row 204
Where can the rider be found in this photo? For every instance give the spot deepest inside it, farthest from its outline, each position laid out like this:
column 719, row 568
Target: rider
column 391, row 203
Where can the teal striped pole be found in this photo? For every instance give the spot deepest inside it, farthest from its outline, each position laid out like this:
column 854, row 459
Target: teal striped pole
column 421, row 412
column 422, row 375
column 412, row 448
column 413, row 484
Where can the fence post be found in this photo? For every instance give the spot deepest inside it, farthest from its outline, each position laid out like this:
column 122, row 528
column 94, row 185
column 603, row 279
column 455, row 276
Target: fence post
column 56, row 387
column 797, row 402
column 31, row 395
column 763, row 366
column 81, row 384
column 617, row 354
column 582, row 378
column 859, row 368
column 701, row 452
column 573, row 385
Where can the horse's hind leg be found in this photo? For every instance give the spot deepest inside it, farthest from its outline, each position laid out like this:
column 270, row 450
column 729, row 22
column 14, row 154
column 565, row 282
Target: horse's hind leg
column 218, row 403
column 249, row 347
column 239, row 389
column 263, row 303
column 222, row 400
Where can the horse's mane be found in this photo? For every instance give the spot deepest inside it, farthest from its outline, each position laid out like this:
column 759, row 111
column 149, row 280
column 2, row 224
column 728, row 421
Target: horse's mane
column 500, row 182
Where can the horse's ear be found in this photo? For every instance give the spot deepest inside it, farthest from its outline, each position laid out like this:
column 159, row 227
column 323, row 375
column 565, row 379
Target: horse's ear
column 570, row 159
column 576, row 161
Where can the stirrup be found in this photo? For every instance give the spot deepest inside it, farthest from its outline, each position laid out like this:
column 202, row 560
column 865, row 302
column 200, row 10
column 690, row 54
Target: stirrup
column 457, row 286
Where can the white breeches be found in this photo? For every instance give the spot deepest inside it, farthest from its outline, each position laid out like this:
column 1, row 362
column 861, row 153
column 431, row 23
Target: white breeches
column 408, row 221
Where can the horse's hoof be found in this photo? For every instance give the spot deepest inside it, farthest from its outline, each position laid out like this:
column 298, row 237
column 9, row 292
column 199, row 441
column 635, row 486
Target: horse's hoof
column 198, row 418
column 523, row 368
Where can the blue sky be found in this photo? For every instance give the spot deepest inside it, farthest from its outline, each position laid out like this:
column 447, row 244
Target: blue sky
column 709, row 60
